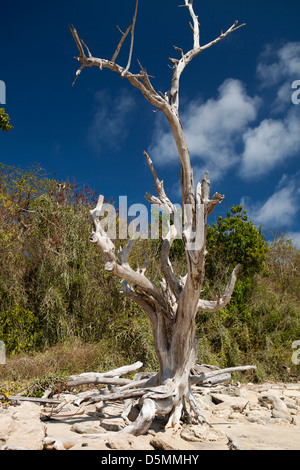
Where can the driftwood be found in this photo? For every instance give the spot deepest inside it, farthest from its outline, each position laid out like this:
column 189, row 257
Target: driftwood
column 172, row 304
column 133, row 388
column 19, row 398
column 204, row 378
column 155, row 399
column 104, row 377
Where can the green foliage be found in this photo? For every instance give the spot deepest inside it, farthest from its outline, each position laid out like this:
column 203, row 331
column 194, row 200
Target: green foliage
column 19, row 330
column 259, row 327
column 230, row 241
column 235, row 239
column 48, row 267
column 54, row 289
column 56, row 381
column 5, row 121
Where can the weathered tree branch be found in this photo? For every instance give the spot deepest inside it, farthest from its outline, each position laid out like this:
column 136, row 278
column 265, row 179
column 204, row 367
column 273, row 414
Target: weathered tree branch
column 214, row 306
column 124, row 35
column 96, row 378
column 123, row 271
column 132, row 39
column 140, row 81
column 197, row 379
column 180, row 65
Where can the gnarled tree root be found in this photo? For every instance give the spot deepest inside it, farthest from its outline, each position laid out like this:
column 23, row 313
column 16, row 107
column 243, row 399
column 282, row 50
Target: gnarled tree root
column 172, row 399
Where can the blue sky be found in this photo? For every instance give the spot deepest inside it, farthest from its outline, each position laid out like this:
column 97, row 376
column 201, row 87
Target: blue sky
column 236, row 106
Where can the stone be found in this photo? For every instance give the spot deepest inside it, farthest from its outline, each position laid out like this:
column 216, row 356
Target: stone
column 112, row 424
column 282, row 415
column 201, row 433
column 129, row 442
column 249, row 395
column 279, row 405
column 258, row 417
column 236, row 403
column 87, row 428
column 90, row 444
column 167, row 441
column 222, row 411
column 22, row 427
column 296, row 420
column 291, row 404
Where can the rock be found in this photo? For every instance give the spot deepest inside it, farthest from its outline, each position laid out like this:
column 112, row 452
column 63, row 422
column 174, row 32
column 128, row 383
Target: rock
column 21, row 427
column 278, row 407
column 129, row 442
column 236, row 403
column 292, row 393
column 296, row 420
column 291, row 404
column 285, row 417
column 201, row 433
column 87, row 428
column 258, row 417
column 166, row 441
column 233, row 444
column 222, row 411
column 112, row 424
column 53, row 443
column 250, row 395
column 90, row 444
column 236, row 416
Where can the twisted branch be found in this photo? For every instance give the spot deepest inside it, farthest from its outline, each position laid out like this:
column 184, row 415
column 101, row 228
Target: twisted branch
column 214, row 306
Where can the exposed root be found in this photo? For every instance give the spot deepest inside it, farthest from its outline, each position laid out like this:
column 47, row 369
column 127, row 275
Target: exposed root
column 176, row 411
column 144, row 420
column 173, row 399
column 196, row 409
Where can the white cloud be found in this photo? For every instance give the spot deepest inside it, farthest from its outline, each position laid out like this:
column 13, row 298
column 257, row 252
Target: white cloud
column 295, row 237
column 274, row 140
column 212, row 129
column 279, row 67
column 269, row 144
column 277, row 63
column 109, row 126
column 280, row 209
column 224, row 132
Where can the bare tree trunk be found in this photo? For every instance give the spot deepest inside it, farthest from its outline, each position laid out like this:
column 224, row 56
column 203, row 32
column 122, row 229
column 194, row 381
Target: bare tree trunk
column 172, row 306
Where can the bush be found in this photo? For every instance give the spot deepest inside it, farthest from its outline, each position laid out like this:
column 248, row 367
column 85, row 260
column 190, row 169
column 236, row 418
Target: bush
column 19, row 330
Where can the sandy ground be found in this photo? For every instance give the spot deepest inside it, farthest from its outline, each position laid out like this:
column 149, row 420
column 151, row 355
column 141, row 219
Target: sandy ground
column 248, row 417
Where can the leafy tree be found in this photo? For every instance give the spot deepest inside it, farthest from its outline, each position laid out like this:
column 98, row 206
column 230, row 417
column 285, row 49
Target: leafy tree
column 5, row 121
column 235, row 239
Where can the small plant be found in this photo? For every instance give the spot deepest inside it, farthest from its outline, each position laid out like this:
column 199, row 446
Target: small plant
column 19, row 329
column 55, row 381
column 5, row 121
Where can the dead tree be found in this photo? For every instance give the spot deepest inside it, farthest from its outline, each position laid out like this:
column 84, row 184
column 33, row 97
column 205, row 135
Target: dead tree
column 171, row 306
